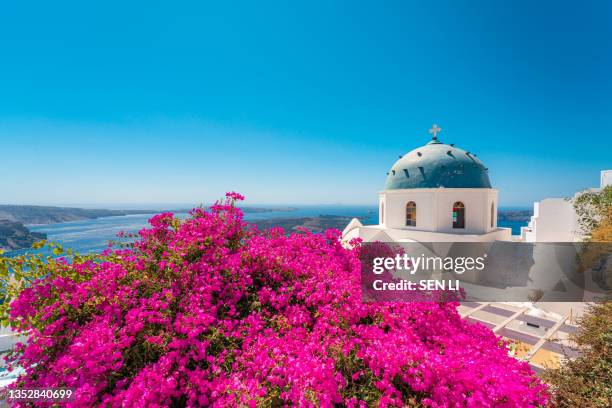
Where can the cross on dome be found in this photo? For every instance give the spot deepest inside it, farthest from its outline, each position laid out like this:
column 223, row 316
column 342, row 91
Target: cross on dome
column 434, row 131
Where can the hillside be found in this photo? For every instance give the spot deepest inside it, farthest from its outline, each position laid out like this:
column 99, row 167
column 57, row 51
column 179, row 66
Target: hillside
column 34, row 214
column 514, row 215
column 313, row 224
column 14, row 235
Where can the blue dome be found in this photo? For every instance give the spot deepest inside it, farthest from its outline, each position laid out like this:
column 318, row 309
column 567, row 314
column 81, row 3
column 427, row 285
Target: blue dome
column 438, row 165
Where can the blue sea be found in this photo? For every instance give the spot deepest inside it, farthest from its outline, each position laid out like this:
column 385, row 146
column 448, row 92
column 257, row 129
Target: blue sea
column 93, row 235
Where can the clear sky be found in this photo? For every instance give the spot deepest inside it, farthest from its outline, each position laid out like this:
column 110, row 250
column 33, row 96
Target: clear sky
column 178, row 102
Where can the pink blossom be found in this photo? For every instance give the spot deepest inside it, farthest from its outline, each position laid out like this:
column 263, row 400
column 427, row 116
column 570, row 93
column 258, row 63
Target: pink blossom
column 210, row 312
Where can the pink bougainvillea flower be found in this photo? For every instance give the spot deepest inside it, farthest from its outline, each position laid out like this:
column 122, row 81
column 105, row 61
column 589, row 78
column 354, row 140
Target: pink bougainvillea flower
column 210, row 312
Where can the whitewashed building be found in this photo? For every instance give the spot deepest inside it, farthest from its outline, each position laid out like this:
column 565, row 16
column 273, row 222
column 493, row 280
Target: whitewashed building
column 441, row 193
column 435, row 193
column 554, row 219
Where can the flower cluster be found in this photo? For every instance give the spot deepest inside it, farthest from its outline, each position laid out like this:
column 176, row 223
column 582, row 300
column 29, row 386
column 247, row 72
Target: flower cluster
column 211, row 312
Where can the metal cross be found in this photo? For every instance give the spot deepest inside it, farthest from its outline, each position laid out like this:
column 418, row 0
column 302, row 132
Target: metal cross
column 434, row 131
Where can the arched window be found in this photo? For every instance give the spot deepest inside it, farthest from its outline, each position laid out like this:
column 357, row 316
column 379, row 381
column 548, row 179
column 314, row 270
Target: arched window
column 458, row 215
column 411, row 214
column 492, row 215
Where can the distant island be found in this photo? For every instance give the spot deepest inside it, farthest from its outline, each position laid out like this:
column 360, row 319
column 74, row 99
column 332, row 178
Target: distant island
column 35, row 214
column 514, row 215
column 14, row 219
column 313, row 224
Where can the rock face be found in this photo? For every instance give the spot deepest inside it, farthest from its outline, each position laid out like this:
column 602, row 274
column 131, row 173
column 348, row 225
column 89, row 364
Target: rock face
column 14, row 235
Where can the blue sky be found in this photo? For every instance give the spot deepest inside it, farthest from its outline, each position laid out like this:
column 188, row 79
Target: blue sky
column 157, row 102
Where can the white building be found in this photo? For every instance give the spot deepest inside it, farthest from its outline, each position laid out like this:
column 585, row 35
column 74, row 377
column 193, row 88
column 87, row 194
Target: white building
column 441, row 193
column 605, row 178
column 554, row 219
column 435, row 193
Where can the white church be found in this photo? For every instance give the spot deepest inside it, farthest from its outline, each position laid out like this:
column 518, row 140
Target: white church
column 442, row 193
column 435, row 193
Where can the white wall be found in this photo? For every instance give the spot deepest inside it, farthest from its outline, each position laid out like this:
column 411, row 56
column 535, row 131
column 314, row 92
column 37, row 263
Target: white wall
column 435, row 209
column 606, row 178
column 554, row 220
column 370, row 233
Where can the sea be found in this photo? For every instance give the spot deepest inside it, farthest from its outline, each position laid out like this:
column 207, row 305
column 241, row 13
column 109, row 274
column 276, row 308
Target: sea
column 90, row 236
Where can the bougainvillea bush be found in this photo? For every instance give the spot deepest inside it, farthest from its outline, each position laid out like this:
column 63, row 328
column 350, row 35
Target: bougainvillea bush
column 209, row 311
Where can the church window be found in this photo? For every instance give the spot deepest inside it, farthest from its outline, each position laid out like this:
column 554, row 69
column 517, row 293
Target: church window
column 492, row 215
column 411, row 214
column 458, row 215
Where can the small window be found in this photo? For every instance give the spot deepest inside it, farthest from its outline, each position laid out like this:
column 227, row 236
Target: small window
column 458, row 215
column 382, row 212
column 492, row 215
column 411, row 214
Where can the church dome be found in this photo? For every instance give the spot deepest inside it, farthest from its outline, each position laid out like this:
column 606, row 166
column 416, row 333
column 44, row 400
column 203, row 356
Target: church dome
column 438, row 165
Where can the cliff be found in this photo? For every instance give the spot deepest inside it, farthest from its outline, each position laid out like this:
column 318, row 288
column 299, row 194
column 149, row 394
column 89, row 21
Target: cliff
column 14, row 235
